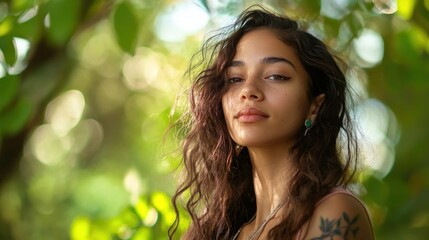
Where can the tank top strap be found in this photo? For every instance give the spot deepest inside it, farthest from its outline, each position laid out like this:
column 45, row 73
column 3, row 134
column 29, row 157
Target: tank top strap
column 337, row 190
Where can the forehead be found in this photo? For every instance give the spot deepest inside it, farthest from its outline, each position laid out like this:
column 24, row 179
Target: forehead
column 264, row 42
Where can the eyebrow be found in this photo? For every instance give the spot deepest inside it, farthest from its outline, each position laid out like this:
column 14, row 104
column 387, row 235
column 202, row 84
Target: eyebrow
column 268, row 60
column 265, row 60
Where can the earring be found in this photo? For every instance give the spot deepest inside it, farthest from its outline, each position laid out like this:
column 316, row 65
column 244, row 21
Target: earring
column 238, row 149
column 308, row 125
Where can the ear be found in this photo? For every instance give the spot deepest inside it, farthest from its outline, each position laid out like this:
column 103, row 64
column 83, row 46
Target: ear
column 315, row 106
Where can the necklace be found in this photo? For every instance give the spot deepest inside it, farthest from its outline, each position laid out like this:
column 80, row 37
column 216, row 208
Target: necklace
column 255, row 234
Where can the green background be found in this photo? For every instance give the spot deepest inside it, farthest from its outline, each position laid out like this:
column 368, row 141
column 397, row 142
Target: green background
column 87, row 89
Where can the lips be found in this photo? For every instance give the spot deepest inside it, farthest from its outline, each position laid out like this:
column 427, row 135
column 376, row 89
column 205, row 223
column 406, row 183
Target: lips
column 250, row 115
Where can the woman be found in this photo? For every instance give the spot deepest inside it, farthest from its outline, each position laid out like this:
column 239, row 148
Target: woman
column 262, row 157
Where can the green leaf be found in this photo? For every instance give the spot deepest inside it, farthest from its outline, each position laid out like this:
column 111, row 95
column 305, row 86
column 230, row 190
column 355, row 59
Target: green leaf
column 15, row 119
column 63, row 17
column 32, row 29
column 205, row 5
column 142, row 208
column 160, row 201
column 377, row 190
column 7, row 46
column 80, row 228
column 405, row 8
column 143, row 233
column 311, row 6
column 21, row 5
column 130, row 218
column 6, row 25
column 126, row 26
column 8, row 88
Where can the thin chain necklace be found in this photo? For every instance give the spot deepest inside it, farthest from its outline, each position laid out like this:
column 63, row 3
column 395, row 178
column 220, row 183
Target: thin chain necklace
column 255, row 235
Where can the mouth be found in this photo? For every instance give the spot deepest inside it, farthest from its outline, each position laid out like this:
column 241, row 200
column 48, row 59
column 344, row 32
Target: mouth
column 250, row 115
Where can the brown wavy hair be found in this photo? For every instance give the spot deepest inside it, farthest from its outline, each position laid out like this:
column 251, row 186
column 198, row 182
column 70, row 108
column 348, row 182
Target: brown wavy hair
column 217, row 183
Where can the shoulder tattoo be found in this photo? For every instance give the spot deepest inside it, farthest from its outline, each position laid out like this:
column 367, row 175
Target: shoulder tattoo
column 344, row 226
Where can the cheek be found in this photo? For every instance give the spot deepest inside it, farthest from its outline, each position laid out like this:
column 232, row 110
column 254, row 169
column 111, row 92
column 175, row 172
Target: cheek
column 294, row 107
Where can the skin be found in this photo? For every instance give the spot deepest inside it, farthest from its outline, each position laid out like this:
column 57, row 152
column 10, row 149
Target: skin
column 265, row 107
column 266, row 75
column 333, row 209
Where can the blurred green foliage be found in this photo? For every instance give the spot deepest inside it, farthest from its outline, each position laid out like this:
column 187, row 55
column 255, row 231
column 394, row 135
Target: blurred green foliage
column 87, row 88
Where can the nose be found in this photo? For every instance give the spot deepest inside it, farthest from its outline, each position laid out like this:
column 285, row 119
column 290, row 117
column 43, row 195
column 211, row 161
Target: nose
column 251, row 90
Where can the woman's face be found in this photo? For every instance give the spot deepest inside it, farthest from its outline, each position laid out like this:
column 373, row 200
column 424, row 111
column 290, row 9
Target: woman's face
column 266, row 102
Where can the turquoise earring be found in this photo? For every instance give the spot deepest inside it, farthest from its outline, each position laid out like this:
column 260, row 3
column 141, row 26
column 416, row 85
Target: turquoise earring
column 308, row 125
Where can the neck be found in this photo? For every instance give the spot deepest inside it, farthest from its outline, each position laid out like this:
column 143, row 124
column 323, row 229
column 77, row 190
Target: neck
column 272, row 170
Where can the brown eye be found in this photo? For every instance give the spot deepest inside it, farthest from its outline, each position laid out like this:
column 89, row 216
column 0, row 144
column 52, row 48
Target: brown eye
column 277, row 77
column 234, row 80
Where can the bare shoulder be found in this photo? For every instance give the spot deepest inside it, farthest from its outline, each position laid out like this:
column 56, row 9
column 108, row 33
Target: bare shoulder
column 339, row 216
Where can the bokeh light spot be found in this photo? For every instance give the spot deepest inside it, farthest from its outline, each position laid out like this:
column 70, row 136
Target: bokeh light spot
column 65, row 111
column 151, row 218
column 369, row 47
column 133, row 184
column 373, row 120
column 47, row 146
column 142, row 70
column 386, row 6
column 180, row 21
column 334, row 8
column 22, row 47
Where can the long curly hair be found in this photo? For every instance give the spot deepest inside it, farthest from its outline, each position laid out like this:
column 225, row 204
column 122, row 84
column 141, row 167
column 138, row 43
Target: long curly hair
column 218, row 183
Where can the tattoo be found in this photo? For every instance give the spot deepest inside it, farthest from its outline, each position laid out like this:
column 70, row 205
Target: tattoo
column 331, row 228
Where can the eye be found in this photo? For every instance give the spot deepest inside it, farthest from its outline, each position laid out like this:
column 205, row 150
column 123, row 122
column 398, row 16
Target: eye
column 277, row 77
column 234, row 80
